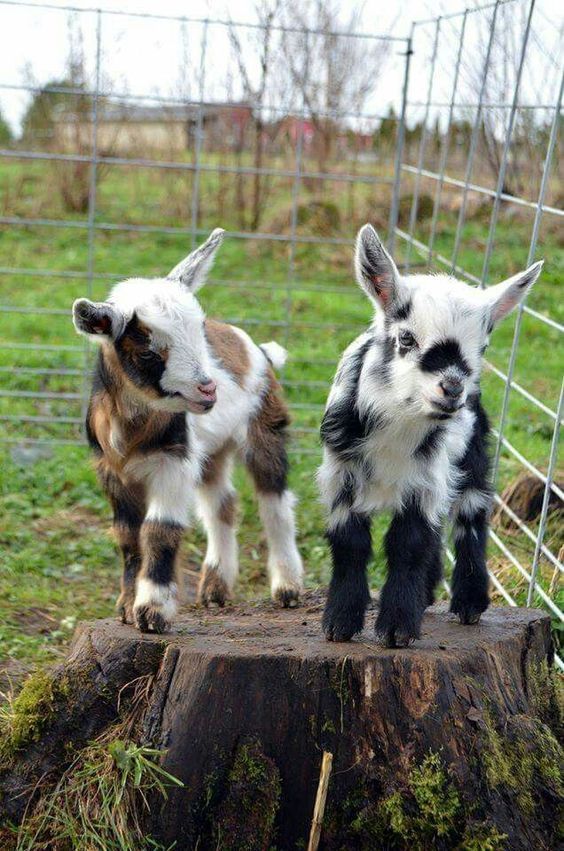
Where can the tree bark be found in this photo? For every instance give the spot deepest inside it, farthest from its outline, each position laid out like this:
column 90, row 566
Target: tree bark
column 450, row 742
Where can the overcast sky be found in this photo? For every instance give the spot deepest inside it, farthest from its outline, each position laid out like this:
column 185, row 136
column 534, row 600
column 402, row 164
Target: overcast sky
column 141, row 56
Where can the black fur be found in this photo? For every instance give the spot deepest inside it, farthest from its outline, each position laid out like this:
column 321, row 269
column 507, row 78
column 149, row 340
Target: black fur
column 173, row 439
column 346, row 494
column 161, row 558
column 143, row 366
column 429, row 443
column 400, row 312
column 470, row 578
column 382, row 368
column 348, row 597
column 342, row 426
column 129, row 510
column 442, row 355
column 412, row 545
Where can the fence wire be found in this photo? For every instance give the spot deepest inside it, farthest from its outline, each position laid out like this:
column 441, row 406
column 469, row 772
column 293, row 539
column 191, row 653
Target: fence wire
column 49, row 380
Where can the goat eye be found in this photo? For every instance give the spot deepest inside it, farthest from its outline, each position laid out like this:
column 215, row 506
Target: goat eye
column 406, row 340
column 148, row 355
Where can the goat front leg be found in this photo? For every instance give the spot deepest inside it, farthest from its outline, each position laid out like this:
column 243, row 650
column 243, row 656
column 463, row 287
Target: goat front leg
column 348, row 597
column 169, row 485
column 411, row 544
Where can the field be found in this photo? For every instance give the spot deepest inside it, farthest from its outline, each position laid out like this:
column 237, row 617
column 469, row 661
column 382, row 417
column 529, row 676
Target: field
column 58, row 563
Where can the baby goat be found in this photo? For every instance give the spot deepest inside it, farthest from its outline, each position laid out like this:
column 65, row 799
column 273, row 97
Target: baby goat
column 161, row 437
column 404, row 429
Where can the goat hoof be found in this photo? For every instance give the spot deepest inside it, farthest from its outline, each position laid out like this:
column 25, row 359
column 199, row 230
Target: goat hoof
column 470, row 617
column 126, row 613
column 288, row 598
column 468, row 610
column 150, row 619
column 338, row 626
column 340, row 636
column 213, row 589
column 395, row 638
column 124, row 607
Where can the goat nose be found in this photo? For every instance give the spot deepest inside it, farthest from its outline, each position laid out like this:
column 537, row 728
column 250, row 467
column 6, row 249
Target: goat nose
column 451, row 387
column 208, row 387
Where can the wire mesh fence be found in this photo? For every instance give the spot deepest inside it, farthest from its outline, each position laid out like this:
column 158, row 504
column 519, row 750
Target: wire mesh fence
column 462, row 171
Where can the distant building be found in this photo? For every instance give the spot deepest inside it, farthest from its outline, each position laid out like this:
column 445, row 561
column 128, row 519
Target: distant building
column 126, row 128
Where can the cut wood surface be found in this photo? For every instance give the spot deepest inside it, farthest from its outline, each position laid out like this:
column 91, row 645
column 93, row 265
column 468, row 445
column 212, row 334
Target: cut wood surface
column 450, row 741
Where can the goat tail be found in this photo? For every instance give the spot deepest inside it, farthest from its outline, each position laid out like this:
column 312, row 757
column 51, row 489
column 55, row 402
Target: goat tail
column 274, row 353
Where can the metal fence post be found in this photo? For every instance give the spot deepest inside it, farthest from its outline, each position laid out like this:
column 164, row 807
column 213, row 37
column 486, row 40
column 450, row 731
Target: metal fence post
column 400, row 141
column 532, row 251
column 92, row 200
column 474, row 141
column 422, row 146
column 446, row 142
column 199, row 135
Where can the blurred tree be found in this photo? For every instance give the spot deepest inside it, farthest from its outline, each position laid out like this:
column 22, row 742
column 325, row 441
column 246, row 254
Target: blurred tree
column 333, row 75
column 6, row 135
column 255, row 60
column 387, row 132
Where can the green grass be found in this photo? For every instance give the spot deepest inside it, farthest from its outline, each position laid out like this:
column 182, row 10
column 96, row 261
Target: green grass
column 58, row 564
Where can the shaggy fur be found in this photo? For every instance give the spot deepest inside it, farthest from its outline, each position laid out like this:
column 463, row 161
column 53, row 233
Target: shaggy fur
column 404, row 430
column 161, row 367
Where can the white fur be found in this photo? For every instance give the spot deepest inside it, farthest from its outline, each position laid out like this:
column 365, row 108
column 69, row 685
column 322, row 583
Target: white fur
column 386, row 470
column 221, row 551
column 276, row 354
column 169, row 310
column 284, row 562
column 170, row 483
column 161, row 597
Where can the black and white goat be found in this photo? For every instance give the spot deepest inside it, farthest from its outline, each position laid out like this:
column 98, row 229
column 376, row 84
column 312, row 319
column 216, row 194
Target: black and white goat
column 160, row 366
column 404, row 429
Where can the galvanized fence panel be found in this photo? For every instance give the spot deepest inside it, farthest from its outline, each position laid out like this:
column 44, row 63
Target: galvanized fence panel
column 435, row 162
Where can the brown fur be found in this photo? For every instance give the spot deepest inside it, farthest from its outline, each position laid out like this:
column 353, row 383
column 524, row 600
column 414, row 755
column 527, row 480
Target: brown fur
column 135, row 429
column 228, row 509
column 155, row 535
column 214, row 464
column 127, row 536
column 212, row 588
column 228, row 348
column 266, row 452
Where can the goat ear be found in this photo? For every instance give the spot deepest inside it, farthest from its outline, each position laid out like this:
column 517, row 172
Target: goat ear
column 97, row 319
column 376, row 272
column 192, row 271
column 503, row 297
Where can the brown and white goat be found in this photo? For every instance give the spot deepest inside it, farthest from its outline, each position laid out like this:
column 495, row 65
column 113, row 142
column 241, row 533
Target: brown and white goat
column 161, row 367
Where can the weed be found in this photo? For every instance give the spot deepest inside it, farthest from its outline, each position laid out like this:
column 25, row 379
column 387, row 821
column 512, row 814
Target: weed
column 99, row 800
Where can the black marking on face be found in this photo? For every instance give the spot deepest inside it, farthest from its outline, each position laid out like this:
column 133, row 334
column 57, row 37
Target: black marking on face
column 400, row 312
column 443, row 355
column 343, row 428
column 406, row 342
column 143, row 366
column 429, row 443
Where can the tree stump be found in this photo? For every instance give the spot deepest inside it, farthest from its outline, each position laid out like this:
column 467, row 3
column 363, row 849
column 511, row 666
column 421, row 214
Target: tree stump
column 451, row 743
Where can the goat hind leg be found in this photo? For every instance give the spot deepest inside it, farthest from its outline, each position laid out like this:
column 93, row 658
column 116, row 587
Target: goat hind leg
column 470, row 578
column 217, row 503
